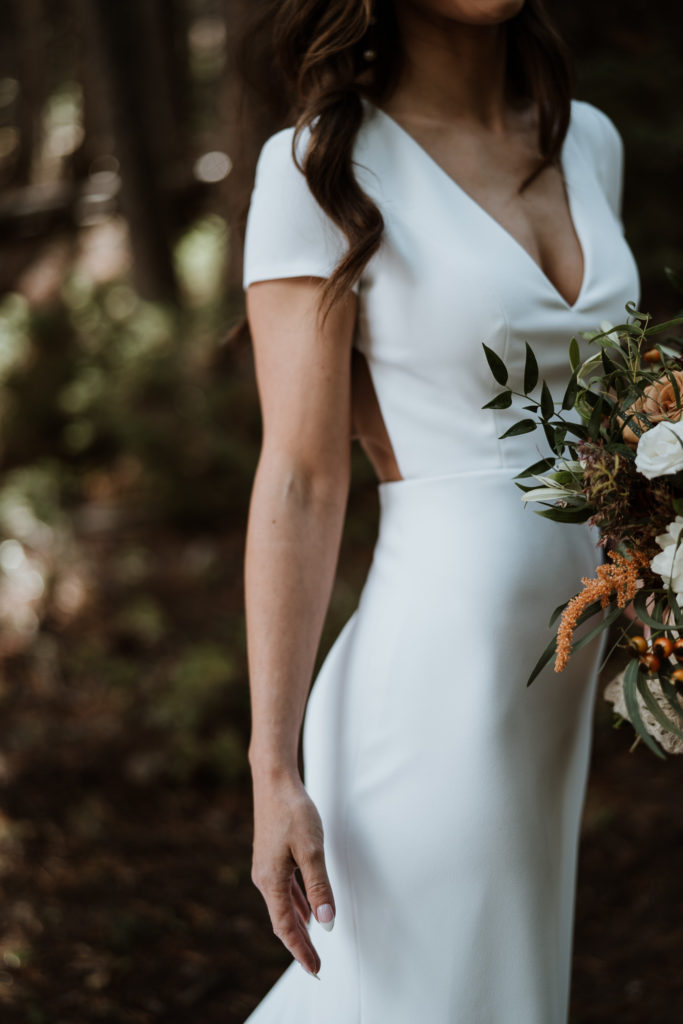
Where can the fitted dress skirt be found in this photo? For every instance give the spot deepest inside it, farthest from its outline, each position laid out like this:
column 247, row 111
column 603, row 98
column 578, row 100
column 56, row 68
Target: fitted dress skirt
column 450, row 792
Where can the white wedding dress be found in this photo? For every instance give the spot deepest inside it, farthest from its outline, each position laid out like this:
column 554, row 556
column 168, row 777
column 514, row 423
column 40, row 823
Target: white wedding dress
column 450, row 793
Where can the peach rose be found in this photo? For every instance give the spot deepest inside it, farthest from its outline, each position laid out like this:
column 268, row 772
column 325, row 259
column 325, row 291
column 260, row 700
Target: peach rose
column 657, row 403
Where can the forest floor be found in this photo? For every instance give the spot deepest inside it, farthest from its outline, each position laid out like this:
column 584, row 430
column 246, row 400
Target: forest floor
column 127, row 893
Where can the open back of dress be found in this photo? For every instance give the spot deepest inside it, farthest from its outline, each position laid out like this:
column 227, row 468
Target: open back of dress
column 450, row 793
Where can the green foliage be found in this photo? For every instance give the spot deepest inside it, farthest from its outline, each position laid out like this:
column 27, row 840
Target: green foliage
column 574, row 354
column 590, row 476
column 106, row 376
column 496, row 364
column 194, row 687
column 631, row 678
column 521, row 427
column 547, row 404
column 126, row 427
column 500, row 401
column 565, row 515
column 530, row 369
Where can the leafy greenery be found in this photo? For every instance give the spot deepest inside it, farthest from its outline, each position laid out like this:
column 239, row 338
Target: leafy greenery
column 592, row 477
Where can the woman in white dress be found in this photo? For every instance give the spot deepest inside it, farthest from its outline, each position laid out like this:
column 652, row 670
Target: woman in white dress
column 437, row 821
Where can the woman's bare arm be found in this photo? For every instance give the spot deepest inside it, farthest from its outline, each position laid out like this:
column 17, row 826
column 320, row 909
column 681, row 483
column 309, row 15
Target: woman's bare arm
column 296, row 517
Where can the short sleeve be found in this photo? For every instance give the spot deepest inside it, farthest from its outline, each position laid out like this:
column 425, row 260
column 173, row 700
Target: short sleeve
column 288, row 234
column 607, row 155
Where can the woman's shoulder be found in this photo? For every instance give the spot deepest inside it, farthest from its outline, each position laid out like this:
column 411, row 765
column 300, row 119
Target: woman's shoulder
column 603, row 147
column 276, row 157
column 596, row 128
column 277, row 153
column 288, row 234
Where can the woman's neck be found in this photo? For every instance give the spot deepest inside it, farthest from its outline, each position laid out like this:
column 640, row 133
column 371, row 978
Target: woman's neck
column 452, row 70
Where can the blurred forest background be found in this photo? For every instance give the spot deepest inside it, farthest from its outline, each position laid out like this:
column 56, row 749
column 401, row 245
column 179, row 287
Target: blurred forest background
column 129, row 434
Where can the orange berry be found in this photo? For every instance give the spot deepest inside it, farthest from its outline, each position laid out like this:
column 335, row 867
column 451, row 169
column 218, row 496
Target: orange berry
column 651, row 662
column 662, row 646
column 677, row 678
column 652, row 355
column 678, row 649
column 639, row 644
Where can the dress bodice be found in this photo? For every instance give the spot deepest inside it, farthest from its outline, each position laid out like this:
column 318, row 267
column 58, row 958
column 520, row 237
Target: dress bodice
column 418, row 694
column 447, row 277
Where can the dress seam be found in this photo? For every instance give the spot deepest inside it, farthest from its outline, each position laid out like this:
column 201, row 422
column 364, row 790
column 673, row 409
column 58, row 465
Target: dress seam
column 504, row 357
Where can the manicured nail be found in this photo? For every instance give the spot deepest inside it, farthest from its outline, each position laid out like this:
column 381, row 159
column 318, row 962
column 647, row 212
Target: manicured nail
column 308, row 971
column 325, row 916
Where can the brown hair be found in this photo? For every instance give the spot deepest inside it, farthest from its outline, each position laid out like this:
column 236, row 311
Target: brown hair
column 319, row 49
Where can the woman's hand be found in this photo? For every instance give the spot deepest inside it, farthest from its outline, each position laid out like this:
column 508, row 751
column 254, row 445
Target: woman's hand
column 288, row 833
column 630, row 613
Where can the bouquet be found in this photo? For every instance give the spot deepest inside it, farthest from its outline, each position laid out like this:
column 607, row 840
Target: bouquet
column 618, row 465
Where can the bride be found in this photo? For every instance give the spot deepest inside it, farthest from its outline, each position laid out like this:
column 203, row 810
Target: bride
column 439, row 187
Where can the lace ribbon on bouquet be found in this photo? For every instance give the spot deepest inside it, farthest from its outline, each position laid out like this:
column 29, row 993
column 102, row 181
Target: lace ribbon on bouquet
column 614, row 694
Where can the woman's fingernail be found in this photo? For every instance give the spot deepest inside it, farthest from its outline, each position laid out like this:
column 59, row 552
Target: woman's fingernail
column 325, row 916
column 308, row 971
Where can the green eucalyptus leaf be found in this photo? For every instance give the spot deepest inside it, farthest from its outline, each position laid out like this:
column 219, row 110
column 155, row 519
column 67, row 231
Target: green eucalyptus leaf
column 547, row 404
column 674, row 384
column 671, row 694
column 673, row 603
column 563, row 477
column 574, row 354
column 560, row 433
column 549, row 435
column 543, row 660
column 603, row 624
column 500, row 401
column 634, row 393
column 607, row 364
column 570, row 392
column 530, row 370
column 577, row 429
column 631, row 701
column 593, row 427
column 558, row 611
column 496, row 365
column 565, row 515
column 538, row 467
column 552, row 646
column 630, row 308
column 639, row 607
column 658, row 328
column 521, row 427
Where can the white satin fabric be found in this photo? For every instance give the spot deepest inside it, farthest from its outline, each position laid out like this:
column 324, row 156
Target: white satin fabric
column 450, row 793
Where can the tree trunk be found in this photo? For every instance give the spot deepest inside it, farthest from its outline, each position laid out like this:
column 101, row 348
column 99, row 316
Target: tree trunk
column 127, row 40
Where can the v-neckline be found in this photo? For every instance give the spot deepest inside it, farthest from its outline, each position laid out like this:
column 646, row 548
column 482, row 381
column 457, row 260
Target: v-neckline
column 571, row 206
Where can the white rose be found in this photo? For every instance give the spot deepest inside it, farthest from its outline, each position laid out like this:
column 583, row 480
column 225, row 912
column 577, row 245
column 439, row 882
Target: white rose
column 669, row 562
column 660, row 449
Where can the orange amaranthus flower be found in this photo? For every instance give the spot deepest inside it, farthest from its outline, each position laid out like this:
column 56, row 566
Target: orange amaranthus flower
column 621, row 576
